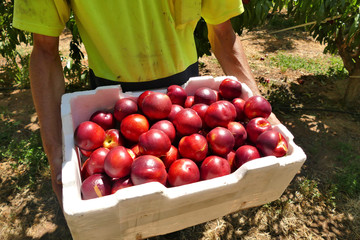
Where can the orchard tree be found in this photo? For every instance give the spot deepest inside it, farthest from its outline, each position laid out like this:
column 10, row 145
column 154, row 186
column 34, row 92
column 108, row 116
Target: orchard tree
column 338, row 27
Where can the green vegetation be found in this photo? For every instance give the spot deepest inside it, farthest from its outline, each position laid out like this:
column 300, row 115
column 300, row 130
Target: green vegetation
column 348, row 174
column 328, row 65
column 15, row 70
column 22, row 147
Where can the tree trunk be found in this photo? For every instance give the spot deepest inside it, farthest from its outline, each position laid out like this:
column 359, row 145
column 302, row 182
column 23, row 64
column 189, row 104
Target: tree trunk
column 352, row 94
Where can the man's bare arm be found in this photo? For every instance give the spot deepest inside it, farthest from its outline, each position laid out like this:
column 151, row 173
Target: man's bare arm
column 228, row 50
column 47, row 87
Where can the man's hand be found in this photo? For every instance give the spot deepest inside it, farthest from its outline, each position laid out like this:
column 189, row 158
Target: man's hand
column 47, row 87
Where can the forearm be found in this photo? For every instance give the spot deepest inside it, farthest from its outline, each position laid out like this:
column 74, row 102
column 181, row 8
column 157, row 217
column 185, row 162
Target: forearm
column 47, row 86
column 228, row 49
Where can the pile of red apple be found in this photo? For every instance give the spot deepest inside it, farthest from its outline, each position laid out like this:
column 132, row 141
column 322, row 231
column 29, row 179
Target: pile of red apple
column 174, row 138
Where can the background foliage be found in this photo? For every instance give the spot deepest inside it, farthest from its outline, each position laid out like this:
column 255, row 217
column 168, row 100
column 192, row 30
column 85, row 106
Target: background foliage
column 16, row 63
column 336, row 24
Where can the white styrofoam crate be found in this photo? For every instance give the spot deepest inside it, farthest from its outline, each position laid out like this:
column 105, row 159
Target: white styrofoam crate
column 152, row 209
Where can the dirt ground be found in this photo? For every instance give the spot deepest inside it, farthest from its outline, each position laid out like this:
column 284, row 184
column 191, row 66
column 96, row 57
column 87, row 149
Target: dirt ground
column 309, row 107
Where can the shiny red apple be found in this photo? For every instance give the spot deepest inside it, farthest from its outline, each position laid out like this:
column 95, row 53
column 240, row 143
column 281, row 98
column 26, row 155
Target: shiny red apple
column 96, row 161
column 272, row 143
column 213, row 167
column 175, row 108
column 230, row 89
column 148, row 168
column 133, row 126
column 239, row 104
column 167, row 127
column 231, row 159
column 177, row 94
column 187, row 122
column 85, row 153
column 154, row 142
column 194, row 147
column 156, row 106
column 113, row 139
column 239, row 132
column 170, row 156
column 189, row 102
column 117, row 163
column 256, row 126
column 205, row 95
column 83, row 170
column 141, row 97
column 219, row 114
column 95, row 186
column 104, row 119
column 89, row 136
column 121, row 183
column 245, row 154
column 221, row 141
column 200, row 109
column 124, row 107
column 183, row 171
column 257, row 106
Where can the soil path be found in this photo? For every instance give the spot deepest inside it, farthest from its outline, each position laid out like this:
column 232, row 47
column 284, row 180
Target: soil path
column 35, row 214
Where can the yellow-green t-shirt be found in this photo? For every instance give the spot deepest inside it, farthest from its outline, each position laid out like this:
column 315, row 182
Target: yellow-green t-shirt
column 129, row 40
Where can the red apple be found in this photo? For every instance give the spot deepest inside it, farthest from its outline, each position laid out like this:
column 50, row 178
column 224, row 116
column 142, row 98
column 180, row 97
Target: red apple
column 200, row 109
column 104, row 119
column 187, row 122
column 189, row 102
column 141, row 98
column 221, row 141
column 118, row 162
column 154, row 142
column 112, row 139
column 219, row 114
column 214, row 166
column 194, row 147
column 96, row 161
column 231, row 159
column 167, row 127
column 175, row 108
column 135, row 149
column 239, row 104
column 257, row 106
column 156, row 106
column 230, row 89
column 205, row 95
column 133, row 126
column 148, row 168
column 89, row 136
column 97, row 185
column 121, row 183
column 85, row 153
column 124, row 107
column 239, row 133
column 245, row 154
column 246, row 1
column 272, row 143
column 83, row 170
column 183, row 171
column 177, row 94
column 170, row 156
column 132, row 154
column 256, row 126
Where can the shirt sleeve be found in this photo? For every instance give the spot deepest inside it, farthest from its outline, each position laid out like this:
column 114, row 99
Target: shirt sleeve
column 216, row 12
column 46, row 17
